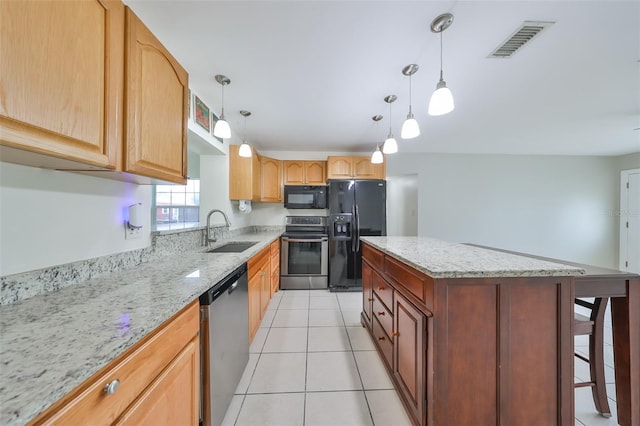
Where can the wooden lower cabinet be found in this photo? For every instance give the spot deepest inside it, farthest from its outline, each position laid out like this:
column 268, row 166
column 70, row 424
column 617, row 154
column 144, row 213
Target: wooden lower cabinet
column 274, row 248
column 409, row 354
column 259, row 288
column 159, row 382
column 367, row 293
column 472, row 351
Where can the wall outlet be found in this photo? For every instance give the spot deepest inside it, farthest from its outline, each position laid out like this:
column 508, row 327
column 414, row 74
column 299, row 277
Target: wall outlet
column 131, row 234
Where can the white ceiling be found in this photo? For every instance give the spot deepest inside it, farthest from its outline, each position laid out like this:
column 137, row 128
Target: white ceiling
column 313, row 73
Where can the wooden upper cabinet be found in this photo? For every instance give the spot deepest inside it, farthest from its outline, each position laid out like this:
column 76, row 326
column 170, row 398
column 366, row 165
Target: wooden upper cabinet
column 304, row 172
column 156, row 101
column 270, row 180
column 244, row 175
column 61, row 83
column 358, row 167
column 339, row 167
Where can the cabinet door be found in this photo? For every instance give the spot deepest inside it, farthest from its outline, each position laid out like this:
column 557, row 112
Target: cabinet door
column 156, row 104
column 255, row 289
column 409, row 361
column 275, row 266
column 173, row 398
column 265, row 293
column 294, row 172
column 339, row 167
column 270, row 180
column 315, row 172
column 367, row 292
column 365, row 169
column 62, row 81
column 241, row 175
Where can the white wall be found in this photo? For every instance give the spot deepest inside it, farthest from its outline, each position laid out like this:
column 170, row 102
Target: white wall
column 553, row 206
column 50, row 218
column 214, row 192
column 402, row 205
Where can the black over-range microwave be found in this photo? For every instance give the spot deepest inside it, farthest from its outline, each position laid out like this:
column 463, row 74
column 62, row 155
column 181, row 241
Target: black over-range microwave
column 305, row 197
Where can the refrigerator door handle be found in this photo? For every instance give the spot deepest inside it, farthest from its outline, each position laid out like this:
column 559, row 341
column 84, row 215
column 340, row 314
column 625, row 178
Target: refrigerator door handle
column 357, row 229
column 353, row 231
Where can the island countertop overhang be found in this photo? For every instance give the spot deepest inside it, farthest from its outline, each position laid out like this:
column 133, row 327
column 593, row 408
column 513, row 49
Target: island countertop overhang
column 442, row 259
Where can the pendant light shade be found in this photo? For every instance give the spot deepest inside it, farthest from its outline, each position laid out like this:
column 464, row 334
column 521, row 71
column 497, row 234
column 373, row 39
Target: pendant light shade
column 442, row 100
column 377, row 157
column 245, row 148
column 410, row 127
column 390, row 145
column 222, row 129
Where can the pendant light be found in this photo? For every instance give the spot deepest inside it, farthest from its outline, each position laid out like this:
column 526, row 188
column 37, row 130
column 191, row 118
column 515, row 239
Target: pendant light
column 245, row 148
column 410, row 128
column 222, row 129
column 441, row 100
column 377, row 157
column 390, row 145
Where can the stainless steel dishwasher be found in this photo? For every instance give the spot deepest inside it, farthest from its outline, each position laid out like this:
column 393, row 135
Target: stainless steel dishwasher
column 224, row 344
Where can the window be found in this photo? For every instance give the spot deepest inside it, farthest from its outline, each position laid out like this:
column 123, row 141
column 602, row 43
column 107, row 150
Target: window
column 177, row 206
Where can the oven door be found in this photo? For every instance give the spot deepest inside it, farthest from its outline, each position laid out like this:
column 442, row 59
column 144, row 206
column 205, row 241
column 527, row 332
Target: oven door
column 304, row 263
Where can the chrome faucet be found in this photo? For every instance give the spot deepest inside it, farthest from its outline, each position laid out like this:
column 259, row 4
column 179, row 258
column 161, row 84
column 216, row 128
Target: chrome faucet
column 227, row 224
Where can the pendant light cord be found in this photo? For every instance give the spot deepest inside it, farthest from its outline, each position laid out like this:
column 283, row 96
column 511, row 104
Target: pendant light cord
column 441, row 53
column 222, row 113
column 409, row 93
column 390, row 133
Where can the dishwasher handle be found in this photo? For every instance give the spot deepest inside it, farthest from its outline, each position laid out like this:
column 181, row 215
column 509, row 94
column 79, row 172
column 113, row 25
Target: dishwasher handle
column 229, row 283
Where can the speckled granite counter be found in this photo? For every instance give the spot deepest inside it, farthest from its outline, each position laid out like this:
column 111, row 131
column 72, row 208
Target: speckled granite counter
column 441, row 259
column 51, row 343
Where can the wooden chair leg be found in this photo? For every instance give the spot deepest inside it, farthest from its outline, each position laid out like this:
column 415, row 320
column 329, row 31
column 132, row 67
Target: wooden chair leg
column 596, row 366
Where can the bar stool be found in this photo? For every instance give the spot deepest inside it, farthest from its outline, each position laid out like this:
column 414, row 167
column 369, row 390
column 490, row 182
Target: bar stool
column 594, row 327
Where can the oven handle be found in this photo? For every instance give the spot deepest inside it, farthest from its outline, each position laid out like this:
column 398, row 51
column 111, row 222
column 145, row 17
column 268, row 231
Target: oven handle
column 296, row 240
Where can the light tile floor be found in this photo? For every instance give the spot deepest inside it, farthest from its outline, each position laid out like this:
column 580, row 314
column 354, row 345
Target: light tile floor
column 312, row 363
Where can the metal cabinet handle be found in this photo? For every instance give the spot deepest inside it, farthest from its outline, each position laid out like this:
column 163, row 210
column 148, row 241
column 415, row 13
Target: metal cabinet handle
column 112, row 387
column 381, row 338
column 370, row 299
column 394, row 334
column 381, row 288
column 381, row 313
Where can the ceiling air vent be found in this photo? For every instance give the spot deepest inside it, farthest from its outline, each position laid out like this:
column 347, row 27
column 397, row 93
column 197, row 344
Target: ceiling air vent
column 527, row 31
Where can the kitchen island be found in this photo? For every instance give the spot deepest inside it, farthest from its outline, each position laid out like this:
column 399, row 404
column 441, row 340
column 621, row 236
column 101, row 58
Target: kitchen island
column 470, row 335
column 52, row 343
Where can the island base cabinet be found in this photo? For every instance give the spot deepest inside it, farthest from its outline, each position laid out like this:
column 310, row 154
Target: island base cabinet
column 409, row 350
column 155, row 382
column 472, row 351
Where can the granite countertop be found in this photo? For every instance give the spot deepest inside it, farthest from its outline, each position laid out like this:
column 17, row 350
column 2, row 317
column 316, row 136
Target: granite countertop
column 50, row 344
column 441, row 259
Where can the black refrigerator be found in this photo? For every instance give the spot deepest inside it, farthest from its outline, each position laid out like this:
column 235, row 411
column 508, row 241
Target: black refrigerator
column 356, row 208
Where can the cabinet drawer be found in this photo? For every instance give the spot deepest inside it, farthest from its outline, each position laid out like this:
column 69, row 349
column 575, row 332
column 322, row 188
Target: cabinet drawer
column 383, row 315
column 373, row 256
column 417, row 284
column 383, row 342
column 259, row 263
column 383, row 290
column 135, row 371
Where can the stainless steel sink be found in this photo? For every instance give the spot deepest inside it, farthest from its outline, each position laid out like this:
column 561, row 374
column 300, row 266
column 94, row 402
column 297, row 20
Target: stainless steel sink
column 232, row 247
